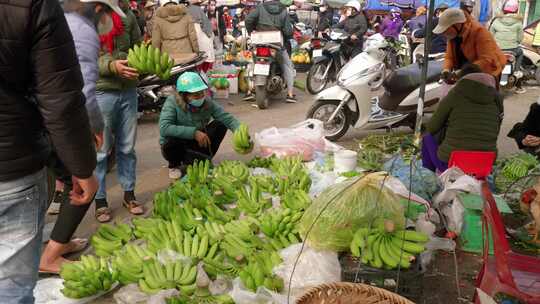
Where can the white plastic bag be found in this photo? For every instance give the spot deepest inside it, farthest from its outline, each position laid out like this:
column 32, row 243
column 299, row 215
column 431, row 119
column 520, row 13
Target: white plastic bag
column 47, row 291
column 241, row 295
column 304, row 139
column 130, row 294
column 313, row 268
column 162, row 295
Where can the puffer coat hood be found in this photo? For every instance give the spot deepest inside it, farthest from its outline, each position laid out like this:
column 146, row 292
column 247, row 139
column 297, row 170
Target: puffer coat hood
column 174, row 32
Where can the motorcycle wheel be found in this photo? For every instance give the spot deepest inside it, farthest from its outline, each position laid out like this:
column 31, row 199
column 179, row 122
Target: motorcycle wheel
column 317, row 70
column 260, row 96
column 323, row 110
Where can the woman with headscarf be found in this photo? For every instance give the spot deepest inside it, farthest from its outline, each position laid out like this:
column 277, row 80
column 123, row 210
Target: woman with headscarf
column 392, row 24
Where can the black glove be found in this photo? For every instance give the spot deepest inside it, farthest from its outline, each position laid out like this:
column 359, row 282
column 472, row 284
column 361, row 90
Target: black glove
column 446, row 75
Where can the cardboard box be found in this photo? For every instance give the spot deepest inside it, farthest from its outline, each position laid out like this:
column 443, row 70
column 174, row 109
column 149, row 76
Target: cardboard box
column 233, row 81
column 267, row 37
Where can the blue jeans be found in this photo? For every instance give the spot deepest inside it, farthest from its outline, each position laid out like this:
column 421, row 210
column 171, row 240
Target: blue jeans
column 22, row 214
column 287, row 68
column 119, row 111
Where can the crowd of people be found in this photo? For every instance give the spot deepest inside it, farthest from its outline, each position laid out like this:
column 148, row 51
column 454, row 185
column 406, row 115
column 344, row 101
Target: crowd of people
column 69, row 97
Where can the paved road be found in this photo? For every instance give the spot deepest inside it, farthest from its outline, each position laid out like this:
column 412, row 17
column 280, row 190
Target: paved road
column 152, row 174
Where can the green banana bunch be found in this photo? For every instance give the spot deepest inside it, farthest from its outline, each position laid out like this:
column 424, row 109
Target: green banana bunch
column 214, row 230
column 216, row 214
column 197, row 173
column 87, row 277
column 165, row 235
column 280, row 222
column 164, row 204
column 224, row 192
column 291, row 174
column 187, row 217
column 242, row 143
column 129, row 263
column 214, row 267
column 259, row 273
column 296, row 200
column 149, row 60
column 157, row 276
column 385, row 247
column 265, row 182
column 259, row 162
column 240, row 241
column 143, row 226
column 109, row 239
column 235, row 172
column 252, row 201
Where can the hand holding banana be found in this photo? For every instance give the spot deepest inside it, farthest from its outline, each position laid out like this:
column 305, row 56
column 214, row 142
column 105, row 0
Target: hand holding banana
column 242, row 143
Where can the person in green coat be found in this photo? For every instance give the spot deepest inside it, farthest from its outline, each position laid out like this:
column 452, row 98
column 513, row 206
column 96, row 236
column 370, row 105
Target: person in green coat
column 467, row 119
column 191, row 125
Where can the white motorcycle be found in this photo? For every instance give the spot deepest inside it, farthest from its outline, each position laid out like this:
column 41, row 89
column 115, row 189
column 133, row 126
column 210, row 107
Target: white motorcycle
column 348, row 103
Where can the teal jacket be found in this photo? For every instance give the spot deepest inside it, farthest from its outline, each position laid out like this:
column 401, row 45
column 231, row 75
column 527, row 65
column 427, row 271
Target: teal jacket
column 507, row 31
column 177, row 121
column 471, row 114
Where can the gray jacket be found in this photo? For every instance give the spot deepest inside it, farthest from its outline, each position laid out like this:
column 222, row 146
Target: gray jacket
column 268, row 16
column 87, row 47
column 200, row 17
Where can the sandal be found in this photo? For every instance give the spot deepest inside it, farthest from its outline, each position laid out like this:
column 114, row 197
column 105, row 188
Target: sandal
column 103, row 214
column 133, row 207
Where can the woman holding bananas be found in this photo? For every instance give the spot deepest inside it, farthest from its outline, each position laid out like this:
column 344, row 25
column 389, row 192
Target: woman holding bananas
column 191, row 124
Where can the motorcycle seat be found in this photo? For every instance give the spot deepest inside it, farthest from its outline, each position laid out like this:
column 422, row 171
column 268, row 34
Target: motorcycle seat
column 406, row 79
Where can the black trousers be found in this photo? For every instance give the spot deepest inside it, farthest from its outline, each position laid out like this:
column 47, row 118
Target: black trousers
column 70, row 216
column 180, row 152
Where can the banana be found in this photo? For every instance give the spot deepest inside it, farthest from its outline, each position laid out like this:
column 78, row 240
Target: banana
column 187, row 244
column 190, row 278
column 194, row 246
column 203, row 247
column 145, row 287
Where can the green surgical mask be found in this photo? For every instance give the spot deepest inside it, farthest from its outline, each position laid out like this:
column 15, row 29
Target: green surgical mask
column 197, row 102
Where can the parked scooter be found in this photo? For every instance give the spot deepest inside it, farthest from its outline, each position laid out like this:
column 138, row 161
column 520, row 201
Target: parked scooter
column 510, row 76
column 267, row 74
column 152, row 91
column 327, row 62
column 348, row 103
column 530, row 65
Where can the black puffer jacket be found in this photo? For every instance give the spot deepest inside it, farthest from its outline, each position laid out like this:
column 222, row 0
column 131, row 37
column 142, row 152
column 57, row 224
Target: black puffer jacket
column 40, row 92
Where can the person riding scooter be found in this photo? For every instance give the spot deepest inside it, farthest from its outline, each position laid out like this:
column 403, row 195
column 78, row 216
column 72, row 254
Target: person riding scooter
column 356, row 25
column 508, row 32
column 468, row 42
column 273, row 16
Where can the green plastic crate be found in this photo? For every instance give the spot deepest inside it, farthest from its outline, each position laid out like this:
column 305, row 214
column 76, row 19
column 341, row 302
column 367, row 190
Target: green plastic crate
column 471, row 234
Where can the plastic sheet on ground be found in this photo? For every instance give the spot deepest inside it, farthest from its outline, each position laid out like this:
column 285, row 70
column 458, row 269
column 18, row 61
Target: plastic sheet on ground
column 241, row 295
column 423, row 181
column 47, row 291
column 304, row 139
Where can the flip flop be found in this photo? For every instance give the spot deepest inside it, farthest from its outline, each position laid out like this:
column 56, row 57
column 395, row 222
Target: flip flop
column 48, row 273
column 80, row 245
column 133, row 207
column 103, row 214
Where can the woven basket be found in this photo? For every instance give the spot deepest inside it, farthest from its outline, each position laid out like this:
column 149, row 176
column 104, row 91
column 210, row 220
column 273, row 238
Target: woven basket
column 350, row 293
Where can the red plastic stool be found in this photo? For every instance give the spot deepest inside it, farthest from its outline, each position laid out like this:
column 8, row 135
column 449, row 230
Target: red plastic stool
column 476, row 163
column 505, row 271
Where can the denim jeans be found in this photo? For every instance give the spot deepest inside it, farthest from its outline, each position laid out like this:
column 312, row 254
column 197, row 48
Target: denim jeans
column 119, row 111
column 287, row 68
column 22, row 215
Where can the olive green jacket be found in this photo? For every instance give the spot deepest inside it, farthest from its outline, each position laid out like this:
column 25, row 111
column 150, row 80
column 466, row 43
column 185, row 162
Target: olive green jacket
column 108, row 80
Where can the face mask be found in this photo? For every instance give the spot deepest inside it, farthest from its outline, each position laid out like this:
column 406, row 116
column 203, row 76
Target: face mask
column 197, row 102
column 322, row 9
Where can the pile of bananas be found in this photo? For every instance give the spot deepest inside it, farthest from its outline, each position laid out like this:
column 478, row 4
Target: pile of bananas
column 109, row 239
column 296, row 200
column 242, row 143
column 129, row 263
column 240, row 240
column 214, row 230
column 259, row 162
column 165, row 202
column 224, row 192
column 188, row 217
column 214, row 267
column 518, row 166
column 142, row 227
column 387, row 248
column 291, row 174
column 279, row 226
column 149, row 60
column 252, row 201
column 157, row 276
column 264, row 182
column 87, row 277
column 258, row 272
column 234, row 171
column 197, row 173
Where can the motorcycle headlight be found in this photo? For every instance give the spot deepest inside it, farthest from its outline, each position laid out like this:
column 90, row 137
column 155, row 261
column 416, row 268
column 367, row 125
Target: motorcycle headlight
column 349, row 74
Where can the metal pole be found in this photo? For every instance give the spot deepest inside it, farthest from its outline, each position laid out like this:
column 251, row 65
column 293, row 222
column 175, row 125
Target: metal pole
column 421, row 96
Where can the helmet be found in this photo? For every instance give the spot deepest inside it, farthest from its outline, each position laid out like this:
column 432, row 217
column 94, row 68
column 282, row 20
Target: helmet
column 395, row 10
column 448, row 18
column 354, row 4
column 286, row 2
column 510, row 7
column 113, row 4
column 190, row 82
column 466, row 3
column 165, row 2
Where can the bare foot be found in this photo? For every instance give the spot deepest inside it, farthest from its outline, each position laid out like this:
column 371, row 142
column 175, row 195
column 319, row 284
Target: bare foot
column 52, row 266
column 75, row 245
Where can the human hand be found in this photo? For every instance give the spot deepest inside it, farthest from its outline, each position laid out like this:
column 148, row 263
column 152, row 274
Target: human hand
column 123, row 70
column 531, row 141
column 98, row 139
column 83, row 190
column 354, row 37
column 202, row 139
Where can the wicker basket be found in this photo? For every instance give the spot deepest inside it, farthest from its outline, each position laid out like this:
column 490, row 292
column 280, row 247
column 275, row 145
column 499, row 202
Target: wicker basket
column 350, row 293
